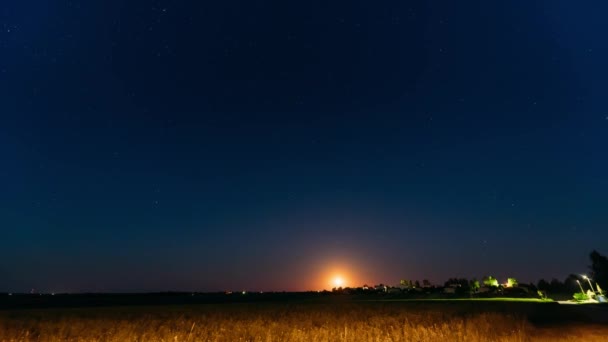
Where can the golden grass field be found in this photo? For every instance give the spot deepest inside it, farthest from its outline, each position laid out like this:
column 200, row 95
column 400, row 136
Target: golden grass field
column 286, row 322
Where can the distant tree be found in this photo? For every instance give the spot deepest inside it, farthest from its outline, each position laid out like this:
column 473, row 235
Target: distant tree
column 542, row 285
column 571, row 283
column 511, row 282
column 406, row 283
column 490, row 281
column 599, row 268
column 474, row 285
column 557, row 286
column 461, row 282
column 426, row 283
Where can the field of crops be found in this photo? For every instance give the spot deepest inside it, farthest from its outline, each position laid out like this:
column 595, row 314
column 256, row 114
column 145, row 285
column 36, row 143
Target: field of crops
column 301, row 321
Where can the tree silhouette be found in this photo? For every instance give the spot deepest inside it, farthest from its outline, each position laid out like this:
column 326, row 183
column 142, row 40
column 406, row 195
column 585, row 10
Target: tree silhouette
column 474, row 285
column 543, row 285
column 556, row 286
column 572, row 283
column 599, row 268
column 406, row 283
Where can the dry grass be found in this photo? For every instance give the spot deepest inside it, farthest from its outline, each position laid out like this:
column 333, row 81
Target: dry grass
column 279, row 322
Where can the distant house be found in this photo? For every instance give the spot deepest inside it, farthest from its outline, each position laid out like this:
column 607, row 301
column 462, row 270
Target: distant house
column 381, row 288
column 451, row 289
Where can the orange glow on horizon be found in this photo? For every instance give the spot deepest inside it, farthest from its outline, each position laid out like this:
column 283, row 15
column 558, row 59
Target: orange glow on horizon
column 338, row 281
column 335, row 276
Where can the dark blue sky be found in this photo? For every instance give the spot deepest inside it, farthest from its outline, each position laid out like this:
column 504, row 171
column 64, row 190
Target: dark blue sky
column 162, row 145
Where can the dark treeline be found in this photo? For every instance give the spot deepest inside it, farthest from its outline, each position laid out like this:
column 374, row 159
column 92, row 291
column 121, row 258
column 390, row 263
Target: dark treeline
column 598, row 273
column 594, row 281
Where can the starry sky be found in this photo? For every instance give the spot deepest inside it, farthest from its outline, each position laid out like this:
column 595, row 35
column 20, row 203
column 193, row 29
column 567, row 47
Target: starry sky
column 268, row 145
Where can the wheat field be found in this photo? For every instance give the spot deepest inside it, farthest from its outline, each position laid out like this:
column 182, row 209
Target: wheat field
column 282, row 322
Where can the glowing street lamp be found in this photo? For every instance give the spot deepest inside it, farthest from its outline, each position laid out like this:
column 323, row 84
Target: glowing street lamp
column 590, row 285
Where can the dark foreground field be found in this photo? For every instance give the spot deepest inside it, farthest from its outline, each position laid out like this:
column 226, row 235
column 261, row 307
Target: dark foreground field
column 295, row 318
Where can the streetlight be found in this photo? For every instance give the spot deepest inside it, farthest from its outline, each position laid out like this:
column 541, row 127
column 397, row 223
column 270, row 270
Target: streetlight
column 581, row 286
column 591, row 285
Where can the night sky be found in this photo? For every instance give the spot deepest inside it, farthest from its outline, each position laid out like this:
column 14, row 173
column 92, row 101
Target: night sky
column 270, row 145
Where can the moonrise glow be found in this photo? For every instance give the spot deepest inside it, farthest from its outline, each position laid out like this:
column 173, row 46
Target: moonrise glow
column 272, row 145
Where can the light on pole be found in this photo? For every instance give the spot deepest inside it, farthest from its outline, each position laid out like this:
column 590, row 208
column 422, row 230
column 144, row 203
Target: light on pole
column 581, row 286
column 590, row 285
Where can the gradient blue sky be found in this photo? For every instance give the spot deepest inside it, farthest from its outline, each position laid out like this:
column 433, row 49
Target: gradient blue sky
column 267, row 145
